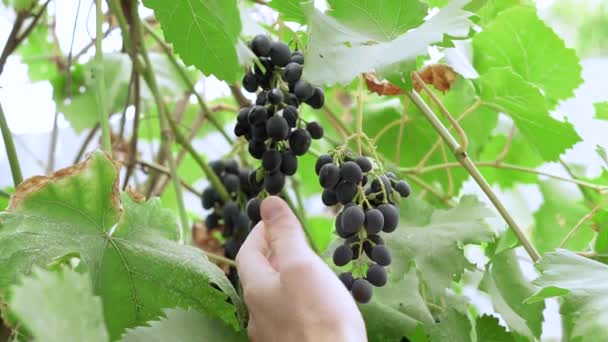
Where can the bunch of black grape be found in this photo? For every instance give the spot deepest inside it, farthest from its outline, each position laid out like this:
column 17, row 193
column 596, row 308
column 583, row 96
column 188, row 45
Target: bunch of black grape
column 229, row 216
column 273, row 127
column 368, row 197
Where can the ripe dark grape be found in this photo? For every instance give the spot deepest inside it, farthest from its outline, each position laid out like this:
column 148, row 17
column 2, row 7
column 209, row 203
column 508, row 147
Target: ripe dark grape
column 280, row 54
column 211, row 221
column 274, row 182
column 402, row 188
column 260, row 45
column 231, row 248
column 329, row 176
column 381, row 255
column 291, row 100
column 208, row 198
column 297, row 57
column 275, row 96
column 362, row 291
column 345, row 191
column 303, row 90
column 374, row 221
column 376, row 275
column 271, row 160
column 315, row 130
column 277, row 128
column 290, row 114
column 232, row 183
column 257, row 115
column 347, row 279
column 217, row 166
column 253, row 210
column 230, row 212
column 342, row 255
column 370, row 242
column 257, row 148
column 329, row 198
column 352, row 219
column 364, row 163
column 351, row 172
column 322, row 160
column 317, row 99
column 299, row 141
column 263, row 75
column 391, row 217
column 262, row 98
column 231, row 166
column 293, row 72
column 250, row 82
column 289, row 163
column 242, row 116
column 259, row 132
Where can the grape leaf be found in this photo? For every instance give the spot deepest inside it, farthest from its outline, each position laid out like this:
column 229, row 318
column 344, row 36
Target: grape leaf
column 488, row 9
column 184, row 326
column 381, row 20
column 453, row 326
column 561, row 210
column 204, row 33
column 583, row 284
column 436, row 248
column 532, row 50
column 337, row 53
column 321, row 231
column 505, row 91
column 59, row 306
column 507, row 287
column 601, row 110
column 129, row 248
column 488, row 330
column 290, row 10
column 35, row 53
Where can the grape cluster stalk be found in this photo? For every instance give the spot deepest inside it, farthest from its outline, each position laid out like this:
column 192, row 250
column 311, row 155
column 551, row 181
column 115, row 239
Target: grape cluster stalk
column 368, row 196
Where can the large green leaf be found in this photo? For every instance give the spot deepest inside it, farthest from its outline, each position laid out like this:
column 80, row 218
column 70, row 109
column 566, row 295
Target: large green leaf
column 436, row 248
column 509, row 93
column 488, row 330
column 583, row 284
column 59, row 306
column 35, row 52
column 508, row 288
column 381, row 20
column 129, row 248
column 561, row 210
column 601, row 110
column 184, row 326
column 337, row 54
column 204, row 33
column 517, row 39
column 290, row 10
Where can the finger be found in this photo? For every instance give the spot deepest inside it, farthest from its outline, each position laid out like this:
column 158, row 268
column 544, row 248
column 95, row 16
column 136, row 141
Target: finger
column 251, row 261
column 284, row 232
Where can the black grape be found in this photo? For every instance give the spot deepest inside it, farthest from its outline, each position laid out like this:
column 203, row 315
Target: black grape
column 212, row 221
column 402, row 188
column 391, row 217
column 293, row 72
column 208, row 198
column 322, row 160
column 367, row 244
column 292, row 100
column 232, row 183
column 271, row 160
column 257, row 148
column 231, row 166
column 274, row 182
column 381, row 255
column 299, row 141
column 290, row 114
column 289, row 163
column 352, row 219
column 329, row 198
column 376, row 275
column 364, row 163
column 250, row 82
column 317, row 99
column 303, row 90
column 253, row 210
column 315, row 130
column 259, row 132
column 280, row 54
column 242, row 116
column 275, row 96
column 374, row 221
column 257, row 115
column 262, row 98
column 362, row 291
column 260, row 45
column 345, row 191
column 329, row 176
column 217, row 166
column 277, row 128
column 230, row 212
column 342, row 255
column 377, row 186
column 347, row 279
column 297, row 57
column 351, row 172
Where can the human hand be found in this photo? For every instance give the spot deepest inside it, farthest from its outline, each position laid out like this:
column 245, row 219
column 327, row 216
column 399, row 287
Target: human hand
column 292, row 295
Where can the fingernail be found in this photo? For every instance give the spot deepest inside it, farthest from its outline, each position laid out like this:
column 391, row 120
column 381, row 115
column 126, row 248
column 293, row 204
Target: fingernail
column 272, row 207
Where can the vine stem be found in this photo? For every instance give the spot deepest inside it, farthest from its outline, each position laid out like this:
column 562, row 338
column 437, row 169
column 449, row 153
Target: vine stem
column 583, row 219
column 359, row 113
column 11, row 152
column 162, row 169
column 219, row 258
column 100, row 83
column 466, row 162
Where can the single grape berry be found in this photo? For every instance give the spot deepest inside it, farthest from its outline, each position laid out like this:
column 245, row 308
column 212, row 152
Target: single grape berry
column 250, row 82
column 289, row 163
column 347, row 279
column 274, row 182
column 317, row 99
column 342, row 255
column 345, row 191
column 402, row 188
column 257, row 115
column 293, row 72
column 290, row 114
column 364, row 163
column 242, row 116
column 362, row 291
column 322, row 160
column 229, row 212
column 329, row 176
column 291, row 99
column 275, row 96
column 351, row 172
column 376, row 275
column 303, row 90
column 297, row 57
column 231, row 166
column 255, row 181
column 208, row 198
column 259, row 132
column 329, row 198
column 370, row 242
column 352, row 219
column 279, row 54
column 253, row 210
column 377, row 184
column 374, row 221
column 232, row 183
column 262, row 98
column 241, row 226
column 260, row 45
column 267, row 64
column 212, row 221
column 391, row 217
column 315, row 130
column 257, row 148
column 277, row 128
column 217, row 166
column 271, row 160
column 299, row 141
column 231, row 248
column 381, row 255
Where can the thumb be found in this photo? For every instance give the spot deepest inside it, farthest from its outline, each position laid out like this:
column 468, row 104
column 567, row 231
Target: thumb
column 283, row 232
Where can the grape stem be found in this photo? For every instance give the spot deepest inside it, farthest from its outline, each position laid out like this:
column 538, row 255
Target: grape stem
column 466, row 162
column 11, row 152
column 359, row 113
column 100, row 85
column 583, row 219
